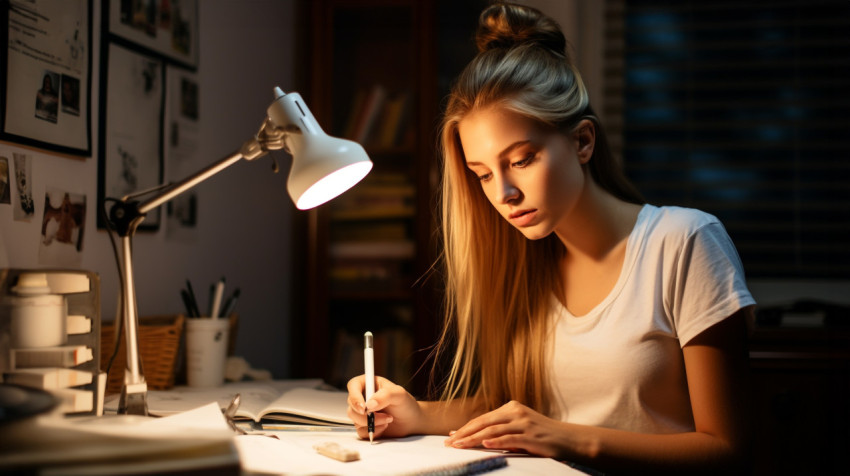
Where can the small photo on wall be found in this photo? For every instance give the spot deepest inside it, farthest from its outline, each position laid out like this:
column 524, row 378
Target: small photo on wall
column 62, row 228
column 5, row 194
column 70, row 95
column 47, row 97
column 23, row 207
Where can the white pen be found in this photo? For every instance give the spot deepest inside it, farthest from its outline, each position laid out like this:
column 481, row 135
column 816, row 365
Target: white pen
column 216, row 299
column 369, row 364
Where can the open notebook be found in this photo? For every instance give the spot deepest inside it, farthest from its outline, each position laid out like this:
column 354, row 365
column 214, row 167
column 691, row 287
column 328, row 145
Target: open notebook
column 292, row 401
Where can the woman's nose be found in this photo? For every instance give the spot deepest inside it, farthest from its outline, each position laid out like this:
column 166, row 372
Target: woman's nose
column 507, row 191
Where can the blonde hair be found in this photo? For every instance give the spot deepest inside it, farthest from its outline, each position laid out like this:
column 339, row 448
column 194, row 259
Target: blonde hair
column 499, row 285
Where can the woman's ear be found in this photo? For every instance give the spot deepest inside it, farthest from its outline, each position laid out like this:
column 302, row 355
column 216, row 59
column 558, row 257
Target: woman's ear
column 585, row 139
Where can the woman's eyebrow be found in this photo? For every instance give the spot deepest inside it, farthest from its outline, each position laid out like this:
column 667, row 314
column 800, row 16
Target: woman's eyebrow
column 505, row 152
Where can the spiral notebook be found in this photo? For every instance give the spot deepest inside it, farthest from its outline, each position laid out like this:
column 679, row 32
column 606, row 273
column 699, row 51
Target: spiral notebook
column 294, row 453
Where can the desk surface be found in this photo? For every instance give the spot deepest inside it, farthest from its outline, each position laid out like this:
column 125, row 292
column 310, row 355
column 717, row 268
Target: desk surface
column 200, row 439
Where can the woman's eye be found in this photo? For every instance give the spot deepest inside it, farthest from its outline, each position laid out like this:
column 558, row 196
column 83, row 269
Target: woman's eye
column 524, row 161
column 485, row 177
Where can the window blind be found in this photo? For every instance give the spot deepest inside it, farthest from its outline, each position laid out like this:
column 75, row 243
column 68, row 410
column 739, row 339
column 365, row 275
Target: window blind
column 740, row 109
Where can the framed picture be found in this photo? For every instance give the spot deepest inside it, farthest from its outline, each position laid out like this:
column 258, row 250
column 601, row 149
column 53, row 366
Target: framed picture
column 162, row 27
column 131, row 146
column 182, row 128
column 46, row 82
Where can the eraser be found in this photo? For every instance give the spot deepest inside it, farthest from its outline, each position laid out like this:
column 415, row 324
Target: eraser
column 337, row 452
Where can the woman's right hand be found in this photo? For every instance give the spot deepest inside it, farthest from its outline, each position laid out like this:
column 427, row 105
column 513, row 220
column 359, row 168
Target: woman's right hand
column 397, row 413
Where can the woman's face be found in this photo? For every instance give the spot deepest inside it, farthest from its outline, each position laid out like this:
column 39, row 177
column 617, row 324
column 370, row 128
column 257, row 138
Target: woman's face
column 530, row 173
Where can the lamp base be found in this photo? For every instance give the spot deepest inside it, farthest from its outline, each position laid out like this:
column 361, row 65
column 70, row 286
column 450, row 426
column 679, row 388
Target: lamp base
column 133, row 399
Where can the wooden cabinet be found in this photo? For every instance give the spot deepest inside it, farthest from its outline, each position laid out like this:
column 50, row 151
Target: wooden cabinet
column 801, row 399
column 373, row 79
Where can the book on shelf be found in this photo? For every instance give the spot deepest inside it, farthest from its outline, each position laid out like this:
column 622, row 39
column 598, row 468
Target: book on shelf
column 353, row 114
column 48, row 378
column 74, row 400
column 375, row 213
column 60, row 356
column 346, row 358
column 359, row 231
column 399, row 249
column 367, row 113
column 75, row 325
column 377, row 194
column 359, row 272
column 68, row 282
column 393, row 349
column 393, row 121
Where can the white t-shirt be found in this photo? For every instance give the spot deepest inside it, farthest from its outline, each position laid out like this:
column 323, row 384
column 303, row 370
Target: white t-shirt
column 621, row 365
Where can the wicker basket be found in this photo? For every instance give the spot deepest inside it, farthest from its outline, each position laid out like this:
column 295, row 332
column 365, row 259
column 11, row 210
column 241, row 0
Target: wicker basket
column 159, row 346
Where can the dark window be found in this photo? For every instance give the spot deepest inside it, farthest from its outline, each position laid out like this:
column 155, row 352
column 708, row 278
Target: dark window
column 740, row 109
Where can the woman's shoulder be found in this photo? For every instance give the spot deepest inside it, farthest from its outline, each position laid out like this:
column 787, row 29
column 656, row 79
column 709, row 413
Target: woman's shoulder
column 676, row 221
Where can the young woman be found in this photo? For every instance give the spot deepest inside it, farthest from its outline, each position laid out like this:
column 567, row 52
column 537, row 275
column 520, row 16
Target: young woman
column 586, row 325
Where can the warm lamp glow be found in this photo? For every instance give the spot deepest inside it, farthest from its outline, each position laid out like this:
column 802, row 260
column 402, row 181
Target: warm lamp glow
column 322, row 166
column 332, row 185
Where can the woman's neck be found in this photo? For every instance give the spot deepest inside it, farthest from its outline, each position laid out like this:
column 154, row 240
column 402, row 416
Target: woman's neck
column 597, row 225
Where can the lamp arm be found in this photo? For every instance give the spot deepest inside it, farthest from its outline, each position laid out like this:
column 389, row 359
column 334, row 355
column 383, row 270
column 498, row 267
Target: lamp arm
column 250, row 150
column 126, row 216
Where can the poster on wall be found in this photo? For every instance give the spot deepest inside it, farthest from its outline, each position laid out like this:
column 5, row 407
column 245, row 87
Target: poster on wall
column 46, row 85
column 164, row 27
column 132, row 101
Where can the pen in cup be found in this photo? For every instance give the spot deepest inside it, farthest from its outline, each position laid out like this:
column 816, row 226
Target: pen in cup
column 230, row 304
column 369, row 364
column 218, row 291
column 193, row 302
column 187, row 302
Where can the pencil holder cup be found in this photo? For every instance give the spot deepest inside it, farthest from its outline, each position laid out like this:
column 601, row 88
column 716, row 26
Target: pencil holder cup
column 206, row 351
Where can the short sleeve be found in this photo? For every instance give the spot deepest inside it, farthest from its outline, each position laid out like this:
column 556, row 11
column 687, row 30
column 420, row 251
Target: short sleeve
column 709, row 285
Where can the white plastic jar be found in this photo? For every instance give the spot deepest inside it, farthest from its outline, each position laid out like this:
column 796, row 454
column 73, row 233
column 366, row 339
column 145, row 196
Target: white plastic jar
column 37, row 317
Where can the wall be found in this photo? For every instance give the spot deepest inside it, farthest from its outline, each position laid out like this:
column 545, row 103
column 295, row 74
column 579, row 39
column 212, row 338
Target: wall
column 244, row 216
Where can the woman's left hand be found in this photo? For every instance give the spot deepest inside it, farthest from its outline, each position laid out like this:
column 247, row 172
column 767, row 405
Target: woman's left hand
column 513, row 426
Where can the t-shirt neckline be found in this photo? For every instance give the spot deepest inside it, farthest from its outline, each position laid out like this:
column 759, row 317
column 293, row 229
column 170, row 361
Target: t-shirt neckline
column 634, row 243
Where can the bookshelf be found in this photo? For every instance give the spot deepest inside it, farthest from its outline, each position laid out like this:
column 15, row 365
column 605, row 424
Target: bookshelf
column 372, row 78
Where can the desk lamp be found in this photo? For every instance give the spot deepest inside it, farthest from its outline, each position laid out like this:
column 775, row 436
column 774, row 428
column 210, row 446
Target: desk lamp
column 322, row 168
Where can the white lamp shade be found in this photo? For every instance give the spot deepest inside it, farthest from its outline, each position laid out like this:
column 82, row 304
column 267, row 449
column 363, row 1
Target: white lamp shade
column 325, row 168
column 322, row 166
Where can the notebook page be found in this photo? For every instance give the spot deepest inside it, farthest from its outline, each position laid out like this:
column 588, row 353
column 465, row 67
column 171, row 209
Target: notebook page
column 294, row 454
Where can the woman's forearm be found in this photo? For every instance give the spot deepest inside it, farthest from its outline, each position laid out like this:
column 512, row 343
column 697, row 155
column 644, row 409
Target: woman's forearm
column 617, row 450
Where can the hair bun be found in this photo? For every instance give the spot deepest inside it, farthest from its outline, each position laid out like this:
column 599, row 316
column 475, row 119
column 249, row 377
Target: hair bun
column 505, row 25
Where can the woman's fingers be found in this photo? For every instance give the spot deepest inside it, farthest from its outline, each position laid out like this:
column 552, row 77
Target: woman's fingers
column 363, row 433
column 478, row 424
column 382, row 421
column 496, row 423
column 355, row 394
column 390, row 403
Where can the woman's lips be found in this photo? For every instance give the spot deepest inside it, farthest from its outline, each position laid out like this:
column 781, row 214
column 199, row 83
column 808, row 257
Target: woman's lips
column 522, row 217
